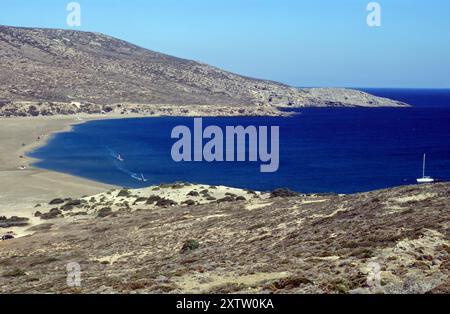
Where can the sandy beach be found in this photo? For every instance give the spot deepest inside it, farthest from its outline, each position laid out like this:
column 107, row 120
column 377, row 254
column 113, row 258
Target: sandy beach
column 22, row 186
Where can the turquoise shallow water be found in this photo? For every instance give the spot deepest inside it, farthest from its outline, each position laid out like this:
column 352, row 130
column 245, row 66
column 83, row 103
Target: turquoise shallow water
column 321, row 150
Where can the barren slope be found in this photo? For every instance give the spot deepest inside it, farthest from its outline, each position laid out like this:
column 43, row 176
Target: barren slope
column 49, row 71
column 125, row 242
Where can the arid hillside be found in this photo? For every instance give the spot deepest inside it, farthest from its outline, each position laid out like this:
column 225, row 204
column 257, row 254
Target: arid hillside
column 204, row 239
column 50, row 71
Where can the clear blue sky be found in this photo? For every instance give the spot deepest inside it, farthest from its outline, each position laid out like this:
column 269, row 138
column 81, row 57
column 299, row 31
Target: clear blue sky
column 302, row 43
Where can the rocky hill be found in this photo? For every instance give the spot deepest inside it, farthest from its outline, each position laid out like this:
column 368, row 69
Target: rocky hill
column 205, row 239
column 50, row 71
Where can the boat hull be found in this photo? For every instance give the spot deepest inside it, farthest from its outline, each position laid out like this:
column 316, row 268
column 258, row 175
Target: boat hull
column 425, row 180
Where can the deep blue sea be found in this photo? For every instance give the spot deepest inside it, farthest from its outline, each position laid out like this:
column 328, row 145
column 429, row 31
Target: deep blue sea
column 342, row 150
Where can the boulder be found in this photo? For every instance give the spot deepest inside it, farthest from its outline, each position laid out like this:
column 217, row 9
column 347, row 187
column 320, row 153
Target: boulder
column 56, row 201
column 165, row 203
column 153, row 199
column 104, row 212
column 14, row 221
column 74, row 203
column 123, row 193
column 52, row 214
column 226, row 199
column 7, row 237
column 283, row 193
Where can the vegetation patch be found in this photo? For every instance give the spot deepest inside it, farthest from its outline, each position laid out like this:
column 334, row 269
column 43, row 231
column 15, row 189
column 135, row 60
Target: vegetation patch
column 189, row 246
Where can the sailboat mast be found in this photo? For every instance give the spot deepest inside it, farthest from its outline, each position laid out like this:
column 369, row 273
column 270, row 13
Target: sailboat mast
column 424, row 163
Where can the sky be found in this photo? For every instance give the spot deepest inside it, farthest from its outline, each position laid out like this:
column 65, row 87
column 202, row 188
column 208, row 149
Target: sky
column 302, row 43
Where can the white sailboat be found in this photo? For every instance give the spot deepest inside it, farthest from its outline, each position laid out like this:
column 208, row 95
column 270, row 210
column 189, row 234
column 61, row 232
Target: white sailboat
column 425, row 179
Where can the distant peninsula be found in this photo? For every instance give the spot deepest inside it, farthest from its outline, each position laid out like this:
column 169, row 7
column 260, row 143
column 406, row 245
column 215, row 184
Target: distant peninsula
column 49, row 72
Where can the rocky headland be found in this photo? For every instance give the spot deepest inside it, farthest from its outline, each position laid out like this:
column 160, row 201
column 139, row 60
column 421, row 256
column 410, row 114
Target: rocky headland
column 65, row 72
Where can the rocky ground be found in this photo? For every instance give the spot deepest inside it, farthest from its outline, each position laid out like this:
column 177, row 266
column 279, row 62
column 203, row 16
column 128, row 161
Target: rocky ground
column 50, row 71
column 184, row 238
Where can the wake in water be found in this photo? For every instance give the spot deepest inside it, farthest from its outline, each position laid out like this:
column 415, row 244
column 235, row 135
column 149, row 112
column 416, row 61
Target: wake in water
column 118, row 162
column 139, row 178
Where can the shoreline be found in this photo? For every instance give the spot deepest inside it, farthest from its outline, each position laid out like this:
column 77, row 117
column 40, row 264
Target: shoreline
column 23, row 189
column 22, row 185
column 26, row 188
